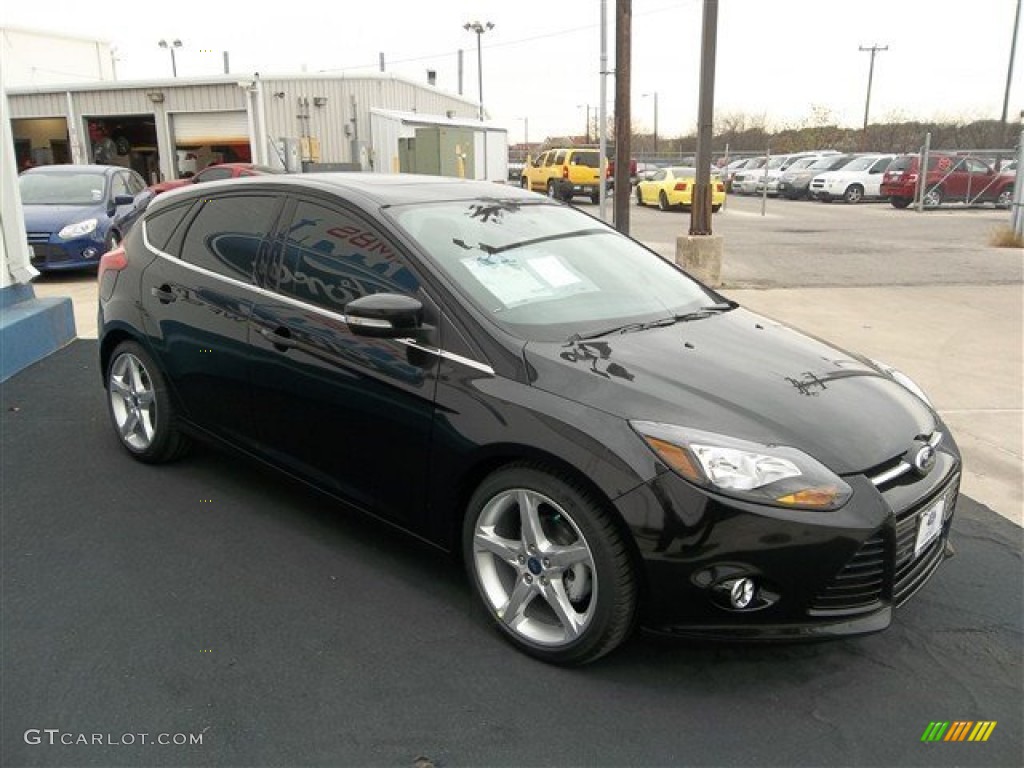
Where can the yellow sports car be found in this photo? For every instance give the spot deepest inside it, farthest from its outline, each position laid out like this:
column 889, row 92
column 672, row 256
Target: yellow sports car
column 671, row 187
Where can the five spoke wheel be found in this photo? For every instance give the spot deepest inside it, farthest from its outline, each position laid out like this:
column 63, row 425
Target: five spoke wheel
column 549, row 565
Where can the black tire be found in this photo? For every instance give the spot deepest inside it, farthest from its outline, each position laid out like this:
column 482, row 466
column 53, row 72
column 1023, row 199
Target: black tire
column 569, row 573
column 140, row 407
column 595, row 198
column 716, row 208
column 1005, row 198
column 663, row 201
column 524, row 183
column 853, row 194
column 899, row 202
column 639, row 196
column 933, row 197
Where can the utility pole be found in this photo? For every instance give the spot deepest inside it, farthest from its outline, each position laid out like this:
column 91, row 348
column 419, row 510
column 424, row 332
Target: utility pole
column 700, row 211
column 602, row 111
column 623, row 129
column 871, row 74
column 1009, row 76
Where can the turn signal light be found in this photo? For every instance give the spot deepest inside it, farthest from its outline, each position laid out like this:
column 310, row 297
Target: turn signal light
column 681, row 186
column 811, row 497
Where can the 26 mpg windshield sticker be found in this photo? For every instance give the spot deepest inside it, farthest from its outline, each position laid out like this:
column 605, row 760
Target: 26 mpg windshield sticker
column 515, row 282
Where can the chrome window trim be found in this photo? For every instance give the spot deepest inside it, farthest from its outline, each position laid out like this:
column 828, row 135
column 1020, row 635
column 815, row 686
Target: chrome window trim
column 452, row 356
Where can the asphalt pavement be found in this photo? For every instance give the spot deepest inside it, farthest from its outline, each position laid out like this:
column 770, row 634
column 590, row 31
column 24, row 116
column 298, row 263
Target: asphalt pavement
column 214, row 601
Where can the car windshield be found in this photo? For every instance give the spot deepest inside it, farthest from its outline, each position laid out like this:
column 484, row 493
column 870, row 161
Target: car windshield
column 61, row 188
column 544, row 272
column 806, row 162
column 776, row 162
column 861, row 163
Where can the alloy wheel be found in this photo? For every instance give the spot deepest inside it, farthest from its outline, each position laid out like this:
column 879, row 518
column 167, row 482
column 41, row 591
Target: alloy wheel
column 133, row 402
column 535, row 568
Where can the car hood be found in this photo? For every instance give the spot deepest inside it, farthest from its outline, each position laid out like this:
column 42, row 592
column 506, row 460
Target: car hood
column 745, row 376
column 52, row 218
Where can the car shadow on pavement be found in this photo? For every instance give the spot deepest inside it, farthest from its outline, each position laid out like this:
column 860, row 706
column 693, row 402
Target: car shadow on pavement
column 216, row 596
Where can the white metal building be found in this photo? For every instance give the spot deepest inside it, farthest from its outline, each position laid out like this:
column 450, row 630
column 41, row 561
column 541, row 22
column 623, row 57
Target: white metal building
column 167, row 128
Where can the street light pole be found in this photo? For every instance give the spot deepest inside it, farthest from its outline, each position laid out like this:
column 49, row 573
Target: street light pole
column 479, row 28
column 655, row 95
column 171, row 46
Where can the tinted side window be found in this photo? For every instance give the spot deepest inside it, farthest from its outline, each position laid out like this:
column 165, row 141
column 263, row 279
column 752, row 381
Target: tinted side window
column 161, row 225
column 589, row 159
column 119, row 185
column 135, row 183
column 332, row 257
column 226, row 236
column 559, row 157
column 213, row 174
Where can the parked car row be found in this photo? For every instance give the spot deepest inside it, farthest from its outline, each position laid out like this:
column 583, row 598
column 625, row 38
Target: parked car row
column 853, row 178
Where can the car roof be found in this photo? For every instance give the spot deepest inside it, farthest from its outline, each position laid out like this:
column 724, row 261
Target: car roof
column 374, row 188
column 69, row 168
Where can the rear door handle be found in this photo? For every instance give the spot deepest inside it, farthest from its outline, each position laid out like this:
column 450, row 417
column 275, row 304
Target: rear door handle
column 278, row 339
column 164, row 294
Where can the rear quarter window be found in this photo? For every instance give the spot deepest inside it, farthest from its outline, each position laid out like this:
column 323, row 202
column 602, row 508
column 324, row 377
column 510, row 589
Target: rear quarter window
column 160, row 226
column 589, row 159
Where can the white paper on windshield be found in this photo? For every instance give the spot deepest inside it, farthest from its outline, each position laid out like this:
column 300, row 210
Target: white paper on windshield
column 508, row 280
column 553, row 271
column 514, row 282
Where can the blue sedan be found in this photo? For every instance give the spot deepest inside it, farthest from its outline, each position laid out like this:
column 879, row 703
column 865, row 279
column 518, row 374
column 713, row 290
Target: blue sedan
column 76, row 213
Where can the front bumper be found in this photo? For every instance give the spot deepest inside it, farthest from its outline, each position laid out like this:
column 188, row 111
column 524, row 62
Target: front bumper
column 50, row 253
column 818, row 574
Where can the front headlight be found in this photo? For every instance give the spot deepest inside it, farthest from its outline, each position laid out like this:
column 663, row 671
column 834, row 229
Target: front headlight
column 767, row 474
column 902, row 379
column 78, row 229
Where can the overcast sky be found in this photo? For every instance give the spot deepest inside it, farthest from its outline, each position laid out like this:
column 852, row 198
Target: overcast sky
column 946, row 59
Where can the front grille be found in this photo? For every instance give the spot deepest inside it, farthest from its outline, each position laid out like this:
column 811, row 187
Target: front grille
column 859, row 585
column 911, row 573
column 35, row 238
column 885, row 565
column 49, row 254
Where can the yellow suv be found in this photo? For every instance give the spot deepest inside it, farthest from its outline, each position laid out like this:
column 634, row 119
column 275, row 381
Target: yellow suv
column 565, row 173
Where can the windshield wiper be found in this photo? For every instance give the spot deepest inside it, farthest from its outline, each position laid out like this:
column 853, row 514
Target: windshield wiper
column 663, row 322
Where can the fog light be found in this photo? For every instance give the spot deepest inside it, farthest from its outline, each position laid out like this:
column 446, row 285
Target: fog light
column 90, row 253
column 742, row 593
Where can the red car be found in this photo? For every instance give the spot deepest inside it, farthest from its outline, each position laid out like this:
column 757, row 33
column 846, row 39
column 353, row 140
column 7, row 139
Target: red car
column 950, row 177
column 215, row 173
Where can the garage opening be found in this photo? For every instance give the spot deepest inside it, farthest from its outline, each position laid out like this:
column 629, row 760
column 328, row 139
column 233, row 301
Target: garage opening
column 41, row 141
column 208, row 138
column 125, row 140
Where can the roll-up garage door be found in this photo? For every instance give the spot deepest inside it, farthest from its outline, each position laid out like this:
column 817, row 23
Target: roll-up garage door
column 199, row 128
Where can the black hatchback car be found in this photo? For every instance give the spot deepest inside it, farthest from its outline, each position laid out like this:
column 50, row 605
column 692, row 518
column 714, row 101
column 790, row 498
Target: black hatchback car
column 604, row 440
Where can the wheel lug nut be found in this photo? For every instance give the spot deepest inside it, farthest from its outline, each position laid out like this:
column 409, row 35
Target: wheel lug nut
column 522, row 559
column 529, row 579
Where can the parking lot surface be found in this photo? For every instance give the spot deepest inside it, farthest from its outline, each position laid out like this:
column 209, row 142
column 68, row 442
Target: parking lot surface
column 213, row 597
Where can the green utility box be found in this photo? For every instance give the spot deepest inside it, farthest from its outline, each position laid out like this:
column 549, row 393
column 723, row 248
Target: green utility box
column 437, row 151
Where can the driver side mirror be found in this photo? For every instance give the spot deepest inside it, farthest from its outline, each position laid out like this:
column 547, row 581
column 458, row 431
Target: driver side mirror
column 384, row 315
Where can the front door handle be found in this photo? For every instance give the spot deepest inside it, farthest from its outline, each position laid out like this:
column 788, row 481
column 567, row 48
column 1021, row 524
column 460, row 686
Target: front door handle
column 164, row 294
column 281, row 338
